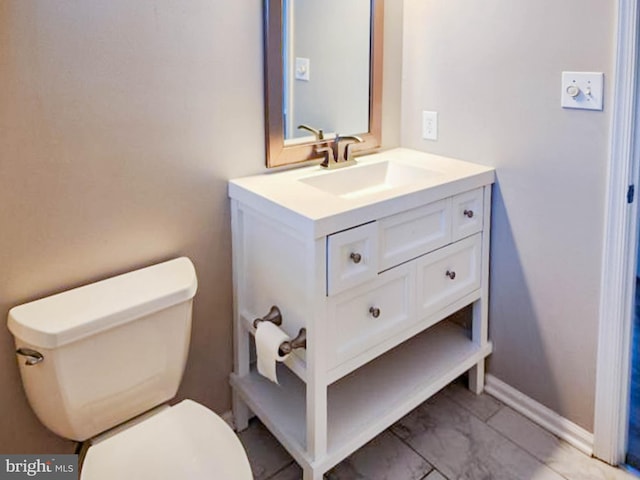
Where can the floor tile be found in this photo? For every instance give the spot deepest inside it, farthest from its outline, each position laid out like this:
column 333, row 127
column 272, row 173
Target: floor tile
column 383, row 458
column 462, row 447
column 292, row 472
column 557, row 454
column 266, row 455
column 482, row 406
column 435, row 475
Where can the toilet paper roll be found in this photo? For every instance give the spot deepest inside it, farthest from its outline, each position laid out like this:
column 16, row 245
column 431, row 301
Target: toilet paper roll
column 269, row 337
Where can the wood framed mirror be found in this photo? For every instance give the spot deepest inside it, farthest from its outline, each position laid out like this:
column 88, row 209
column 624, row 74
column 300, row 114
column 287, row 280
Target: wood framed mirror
column 311, row 78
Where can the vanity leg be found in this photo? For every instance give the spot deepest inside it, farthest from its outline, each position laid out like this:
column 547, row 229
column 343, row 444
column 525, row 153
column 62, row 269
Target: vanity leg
column 476, row 378
column 480, row 322
column 309, row 474
column 316, row 357
column 241, row 337
column 241, row 413
column 480, row 338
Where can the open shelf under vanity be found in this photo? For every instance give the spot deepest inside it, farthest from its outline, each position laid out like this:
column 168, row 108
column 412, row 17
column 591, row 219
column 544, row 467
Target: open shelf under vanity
column 378, row 393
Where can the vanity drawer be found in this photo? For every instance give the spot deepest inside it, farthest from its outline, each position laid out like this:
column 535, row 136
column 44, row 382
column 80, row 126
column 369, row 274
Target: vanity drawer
column 413, row 233
column 365, row 316
column 352, row 257
column 468, row 213
column 448, row 274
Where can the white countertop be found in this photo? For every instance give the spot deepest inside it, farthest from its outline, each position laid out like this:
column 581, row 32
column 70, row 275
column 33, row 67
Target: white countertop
column 317, row 212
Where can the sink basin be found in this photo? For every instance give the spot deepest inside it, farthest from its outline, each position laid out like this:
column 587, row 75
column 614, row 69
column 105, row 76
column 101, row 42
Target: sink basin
column 364, row 180
column 381, row 184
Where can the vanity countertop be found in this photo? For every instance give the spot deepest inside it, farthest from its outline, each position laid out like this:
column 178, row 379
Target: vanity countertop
column 320, row 201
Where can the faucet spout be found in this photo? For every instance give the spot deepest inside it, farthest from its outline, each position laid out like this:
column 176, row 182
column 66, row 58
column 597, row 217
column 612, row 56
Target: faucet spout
column 317, row 132
column 349, row 140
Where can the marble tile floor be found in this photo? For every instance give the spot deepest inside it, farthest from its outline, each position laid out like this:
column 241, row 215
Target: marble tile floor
column 454, row 435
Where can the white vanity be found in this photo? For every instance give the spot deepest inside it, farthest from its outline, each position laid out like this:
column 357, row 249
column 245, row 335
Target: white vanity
column 369, row 259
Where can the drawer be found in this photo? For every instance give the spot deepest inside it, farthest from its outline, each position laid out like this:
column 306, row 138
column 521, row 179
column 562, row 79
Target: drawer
column 468, row 213
column 448, row 274
column 413, row 233
column 352, row 257
column 365, row 316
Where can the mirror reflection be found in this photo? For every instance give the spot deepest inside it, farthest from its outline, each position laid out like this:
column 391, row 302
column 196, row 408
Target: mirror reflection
column 326, row 54
column 323, row 68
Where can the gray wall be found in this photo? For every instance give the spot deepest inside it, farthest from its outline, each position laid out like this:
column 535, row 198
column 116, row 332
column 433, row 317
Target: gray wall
column 492, row 70
column 120, row 123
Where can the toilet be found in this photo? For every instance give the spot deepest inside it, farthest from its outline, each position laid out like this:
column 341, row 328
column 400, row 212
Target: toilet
column 99, row 364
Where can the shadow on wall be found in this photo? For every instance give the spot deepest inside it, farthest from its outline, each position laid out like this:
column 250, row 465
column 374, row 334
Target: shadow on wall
column 514, row 327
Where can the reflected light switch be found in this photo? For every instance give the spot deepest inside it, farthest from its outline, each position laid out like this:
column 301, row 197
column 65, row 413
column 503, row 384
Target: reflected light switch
column 302, row 69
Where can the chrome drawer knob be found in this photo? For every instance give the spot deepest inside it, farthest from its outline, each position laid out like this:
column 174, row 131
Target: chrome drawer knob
column 356, row 257
column 451, row 274
column 468, row 213
column 375, row 312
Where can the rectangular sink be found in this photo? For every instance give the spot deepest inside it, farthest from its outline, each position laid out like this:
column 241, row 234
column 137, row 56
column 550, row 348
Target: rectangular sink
column 381, row 184
column 371, row 179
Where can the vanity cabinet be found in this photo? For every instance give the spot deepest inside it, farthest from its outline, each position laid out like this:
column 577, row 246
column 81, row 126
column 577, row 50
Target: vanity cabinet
column 372, row 282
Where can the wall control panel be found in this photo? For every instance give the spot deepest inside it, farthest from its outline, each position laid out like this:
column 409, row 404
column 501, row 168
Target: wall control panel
column 584, row 90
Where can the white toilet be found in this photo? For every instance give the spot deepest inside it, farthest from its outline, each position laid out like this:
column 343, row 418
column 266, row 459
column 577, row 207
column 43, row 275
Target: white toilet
column 110, row 354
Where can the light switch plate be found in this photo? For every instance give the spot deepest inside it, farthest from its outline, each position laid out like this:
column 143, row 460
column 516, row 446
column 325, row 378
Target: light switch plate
column 430, row 125
column 583, row 90
column 302, row 69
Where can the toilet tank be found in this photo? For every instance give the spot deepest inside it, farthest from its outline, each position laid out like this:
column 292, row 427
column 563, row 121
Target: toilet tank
column 112, row 349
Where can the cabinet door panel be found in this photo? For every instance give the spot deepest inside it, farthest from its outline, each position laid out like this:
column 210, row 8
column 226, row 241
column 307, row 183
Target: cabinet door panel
column 363, row 317
column 448, row 274
column 413, row 233
column 467, row 213
column 352, row 257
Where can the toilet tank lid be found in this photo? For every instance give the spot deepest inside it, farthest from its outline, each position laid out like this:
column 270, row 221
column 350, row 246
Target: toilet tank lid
column 74, row 314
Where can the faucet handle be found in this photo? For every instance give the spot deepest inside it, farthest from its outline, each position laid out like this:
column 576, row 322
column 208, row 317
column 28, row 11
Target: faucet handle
column 317, row 132
column 353, row 139
column 329, row 157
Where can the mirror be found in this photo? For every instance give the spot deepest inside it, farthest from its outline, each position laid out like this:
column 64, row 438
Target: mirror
column 323, row 68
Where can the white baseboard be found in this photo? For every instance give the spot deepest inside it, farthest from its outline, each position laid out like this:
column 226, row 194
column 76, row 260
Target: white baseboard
column 538, row 413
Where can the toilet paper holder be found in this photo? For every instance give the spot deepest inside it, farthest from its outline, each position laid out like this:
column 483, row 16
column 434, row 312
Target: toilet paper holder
column 275, row 316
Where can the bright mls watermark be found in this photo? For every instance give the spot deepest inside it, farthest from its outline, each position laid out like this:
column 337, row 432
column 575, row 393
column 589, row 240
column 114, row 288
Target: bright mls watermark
column 51, row 467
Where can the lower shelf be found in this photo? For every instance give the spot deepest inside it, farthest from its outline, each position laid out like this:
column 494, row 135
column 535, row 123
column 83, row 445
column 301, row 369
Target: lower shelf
column 367, row 401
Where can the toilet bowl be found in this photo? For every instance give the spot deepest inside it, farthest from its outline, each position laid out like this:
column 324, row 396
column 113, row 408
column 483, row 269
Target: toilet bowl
column 99, row 364
column 183, row 441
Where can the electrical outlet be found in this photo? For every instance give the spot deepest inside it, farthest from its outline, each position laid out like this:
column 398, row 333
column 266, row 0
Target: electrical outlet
column 430, row 125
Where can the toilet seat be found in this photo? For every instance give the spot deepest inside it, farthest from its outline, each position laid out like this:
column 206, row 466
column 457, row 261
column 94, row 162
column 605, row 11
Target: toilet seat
column 185, row 441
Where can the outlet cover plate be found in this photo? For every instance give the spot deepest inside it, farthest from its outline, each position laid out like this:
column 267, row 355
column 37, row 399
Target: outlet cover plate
column 591, row 90
column 430, row 125
column 303, row 66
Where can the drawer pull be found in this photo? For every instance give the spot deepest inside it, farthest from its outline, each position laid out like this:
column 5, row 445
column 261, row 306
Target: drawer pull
column 375, row 312
column 468, row 213
column 451, row 274
column 356, row 257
